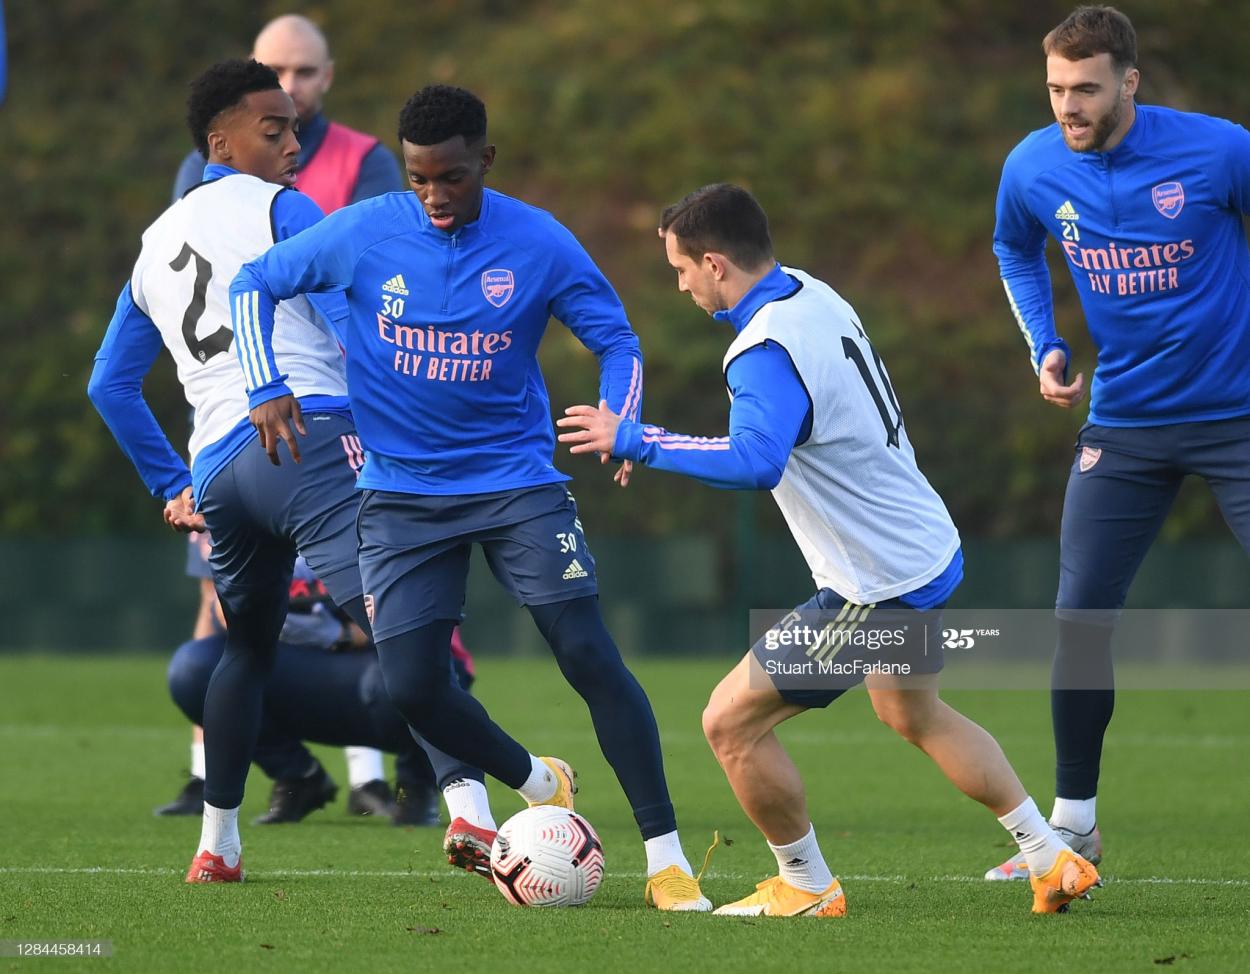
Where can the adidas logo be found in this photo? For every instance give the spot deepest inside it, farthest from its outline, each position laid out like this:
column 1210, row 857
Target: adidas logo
column 395, row 285
column 1067, row 212
column 796, row 861
column 575, row 570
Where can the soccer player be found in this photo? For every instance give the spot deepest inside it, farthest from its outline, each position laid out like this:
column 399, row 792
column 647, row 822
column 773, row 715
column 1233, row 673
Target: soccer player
column 258, row 514
column 1146, row 204
column 336, row 165
column 815, row 419
column 450, row 289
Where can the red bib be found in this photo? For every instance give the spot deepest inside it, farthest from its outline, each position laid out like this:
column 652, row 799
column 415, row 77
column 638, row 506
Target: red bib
column 331, row 174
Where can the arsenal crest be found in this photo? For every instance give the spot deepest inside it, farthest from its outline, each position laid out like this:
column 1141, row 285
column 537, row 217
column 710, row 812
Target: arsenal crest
column 497, row 286
column 1169, row 199
column 1090, row 455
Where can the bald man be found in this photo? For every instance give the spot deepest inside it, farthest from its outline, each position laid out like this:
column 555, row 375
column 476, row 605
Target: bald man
column 337, row 165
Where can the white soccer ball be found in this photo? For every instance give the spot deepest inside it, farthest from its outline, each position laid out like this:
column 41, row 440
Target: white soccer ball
column 547, row 856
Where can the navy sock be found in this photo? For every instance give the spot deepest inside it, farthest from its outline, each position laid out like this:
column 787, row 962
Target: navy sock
column 619, row 708
column 1082, row 699
column 416, row 666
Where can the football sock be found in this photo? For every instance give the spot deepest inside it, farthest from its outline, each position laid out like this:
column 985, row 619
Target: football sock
column 467, row 799
column 197, row 760
column 1082, row 700
column 802, row 865
column 219, row 833
column 1036, row 839
column 624, row 723
column 1074, row 814
column 364, row 764
column 664, row 851
column 541, row 784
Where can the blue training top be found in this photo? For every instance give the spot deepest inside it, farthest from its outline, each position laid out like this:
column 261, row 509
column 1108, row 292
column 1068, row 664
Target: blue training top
column 442, row 336
column 1152, row 234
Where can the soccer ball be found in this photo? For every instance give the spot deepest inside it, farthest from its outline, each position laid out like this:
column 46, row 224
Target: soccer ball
column 547, row 856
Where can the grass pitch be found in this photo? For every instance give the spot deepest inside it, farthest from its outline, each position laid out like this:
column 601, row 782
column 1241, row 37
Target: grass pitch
column 89, row 745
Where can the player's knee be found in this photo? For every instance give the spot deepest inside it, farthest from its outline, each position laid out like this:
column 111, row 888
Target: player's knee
column 908, row 717
column 415, row 694
column 723, row 726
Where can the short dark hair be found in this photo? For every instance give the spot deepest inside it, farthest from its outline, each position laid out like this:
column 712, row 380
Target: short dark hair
column 437, row 113
column 223, row 86
column 1090, row 31
column 723, row 218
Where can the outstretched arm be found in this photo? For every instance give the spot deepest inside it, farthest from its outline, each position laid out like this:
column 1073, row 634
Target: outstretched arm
column 588, row 306
column 763, row 428
column 304, row 260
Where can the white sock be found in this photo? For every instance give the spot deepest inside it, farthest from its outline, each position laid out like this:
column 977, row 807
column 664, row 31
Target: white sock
column 467, row 799
column 219, row 833
column 802, row 865
column 1074, row 814
column 364, row 764
column 664, row 851
column 197, row 760
column 541, row 784
column 1036, row 839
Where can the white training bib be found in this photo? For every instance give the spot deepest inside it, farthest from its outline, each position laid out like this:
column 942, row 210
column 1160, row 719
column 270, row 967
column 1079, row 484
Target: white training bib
column 868, row 522
column 182, row 279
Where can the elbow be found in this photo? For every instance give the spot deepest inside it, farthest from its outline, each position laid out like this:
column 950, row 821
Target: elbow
column 97, row 390
column 768, row 480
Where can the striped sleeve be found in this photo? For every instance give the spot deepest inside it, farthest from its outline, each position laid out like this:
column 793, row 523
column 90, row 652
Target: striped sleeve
column 763, row 428
column 1020, row 246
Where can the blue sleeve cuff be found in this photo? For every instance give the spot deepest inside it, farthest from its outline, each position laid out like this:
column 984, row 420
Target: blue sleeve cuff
column 628, row 445
column 271, row 390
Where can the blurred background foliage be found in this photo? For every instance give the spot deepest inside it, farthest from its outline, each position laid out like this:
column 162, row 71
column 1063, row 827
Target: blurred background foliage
column 873, row 133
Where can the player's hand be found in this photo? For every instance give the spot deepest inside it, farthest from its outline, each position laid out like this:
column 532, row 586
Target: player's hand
column 279, row 419
column 180, row 513
column 1050, row 378
column 594, row 431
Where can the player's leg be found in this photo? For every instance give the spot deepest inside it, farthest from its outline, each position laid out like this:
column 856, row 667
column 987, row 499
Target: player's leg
column 1120, row 489
column 301, row 785
column 975, row 764
column 540, row 555
column 187, row 675
column 1220, row 454
column 415, row 587
column 321, row 517
column 739, row 722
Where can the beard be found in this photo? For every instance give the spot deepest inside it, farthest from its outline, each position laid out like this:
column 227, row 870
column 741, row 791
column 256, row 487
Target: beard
column 1099, row 132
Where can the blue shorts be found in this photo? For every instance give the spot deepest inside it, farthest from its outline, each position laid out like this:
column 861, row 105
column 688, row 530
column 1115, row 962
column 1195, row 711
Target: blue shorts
column 260, row 516
column 414, row 551
column 1120, row 488
column 828, row 645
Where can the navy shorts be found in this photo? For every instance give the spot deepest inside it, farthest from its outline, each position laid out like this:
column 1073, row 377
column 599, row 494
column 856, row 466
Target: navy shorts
column 828, row 645
column 260, row 516
column 414, row 551
column 1122, row 485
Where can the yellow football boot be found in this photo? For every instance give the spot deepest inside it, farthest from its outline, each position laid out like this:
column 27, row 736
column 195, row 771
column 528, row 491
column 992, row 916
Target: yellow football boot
column 1070, row 877
column 566, row 786
column 776, row 898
